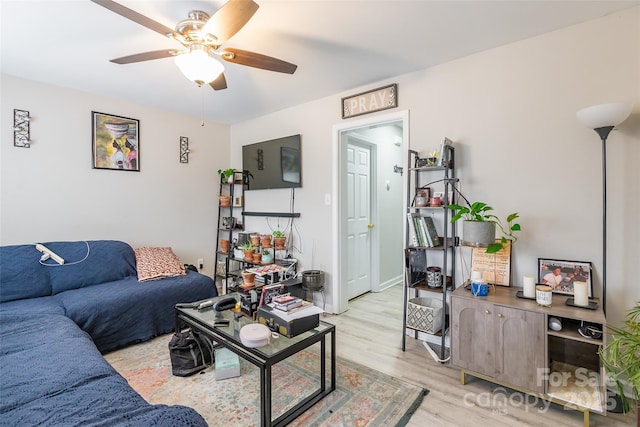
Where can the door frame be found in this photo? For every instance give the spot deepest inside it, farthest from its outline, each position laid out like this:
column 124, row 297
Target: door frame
column 339, row 298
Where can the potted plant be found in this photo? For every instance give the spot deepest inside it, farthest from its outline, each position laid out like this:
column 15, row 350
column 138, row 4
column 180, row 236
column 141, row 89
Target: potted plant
column 480, row 225
column 248, row 279
column 255, row 239
column 248, row 250
column 621, row 358
column 279, row 239
column 267, row 256
column 265, row 240
column 226, row 175
column 225, row 200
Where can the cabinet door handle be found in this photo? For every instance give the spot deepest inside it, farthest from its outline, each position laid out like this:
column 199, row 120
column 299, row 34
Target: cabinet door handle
column 487, row 312
column 500, row 315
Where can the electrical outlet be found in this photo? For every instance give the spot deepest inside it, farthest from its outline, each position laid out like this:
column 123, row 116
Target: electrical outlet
column 200, row 263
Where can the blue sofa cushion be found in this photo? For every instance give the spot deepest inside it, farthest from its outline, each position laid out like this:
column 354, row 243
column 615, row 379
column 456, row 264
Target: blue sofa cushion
column 90, row 263
column 52, row 374
column 32, row 306
column 21, row 275
column 127, row 311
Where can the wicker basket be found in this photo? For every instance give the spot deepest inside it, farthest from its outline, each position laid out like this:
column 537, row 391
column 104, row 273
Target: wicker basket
column 424, row 314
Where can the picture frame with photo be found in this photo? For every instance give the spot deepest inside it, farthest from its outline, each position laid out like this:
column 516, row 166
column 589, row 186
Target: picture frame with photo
column 561, row 274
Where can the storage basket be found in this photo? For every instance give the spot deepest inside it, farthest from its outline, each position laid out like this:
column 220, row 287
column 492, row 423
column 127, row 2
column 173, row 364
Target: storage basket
column 424, row 314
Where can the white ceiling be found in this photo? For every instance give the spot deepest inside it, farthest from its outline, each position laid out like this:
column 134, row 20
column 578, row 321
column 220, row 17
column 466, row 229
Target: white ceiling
column 338, row 45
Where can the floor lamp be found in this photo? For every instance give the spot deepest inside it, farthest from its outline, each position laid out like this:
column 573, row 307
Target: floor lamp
column 602, row 119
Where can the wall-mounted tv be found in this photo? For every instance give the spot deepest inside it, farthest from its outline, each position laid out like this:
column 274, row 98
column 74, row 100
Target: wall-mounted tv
column 276, row 163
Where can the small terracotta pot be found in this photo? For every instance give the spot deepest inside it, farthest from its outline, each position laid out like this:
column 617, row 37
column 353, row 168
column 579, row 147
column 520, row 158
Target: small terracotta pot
column 248, row 255
column 255, row 240
column 225, row 201
column 248, row 278
column 279, row 242
column 256, row 256
column 224, row 245
column 265, row 241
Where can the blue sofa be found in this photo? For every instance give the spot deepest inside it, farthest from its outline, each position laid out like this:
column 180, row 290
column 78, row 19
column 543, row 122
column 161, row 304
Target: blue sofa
column 55, row 321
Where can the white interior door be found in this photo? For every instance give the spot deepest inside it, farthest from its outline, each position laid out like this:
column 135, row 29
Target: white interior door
column 358, row 219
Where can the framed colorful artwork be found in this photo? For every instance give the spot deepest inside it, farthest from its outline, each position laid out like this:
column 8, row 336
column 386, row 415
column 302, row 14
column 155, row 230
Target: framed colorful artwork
column 115, row 142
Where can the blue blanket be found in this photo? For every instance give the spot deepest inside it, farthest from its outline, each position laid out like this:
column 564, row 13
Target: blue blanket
column 52, row 374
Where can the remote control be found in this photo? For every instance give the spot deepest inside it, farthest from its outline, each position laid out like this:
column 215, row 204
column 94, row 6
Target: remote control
column 205, row 304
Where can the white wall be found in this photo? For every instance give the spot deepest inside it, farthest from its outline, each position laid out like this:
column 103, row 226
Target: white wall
column 511, row 112
column 50, row 191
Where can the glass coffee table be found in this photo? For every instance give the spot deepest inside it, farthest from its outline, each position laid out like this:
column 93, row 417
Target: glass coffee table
column 266, row 356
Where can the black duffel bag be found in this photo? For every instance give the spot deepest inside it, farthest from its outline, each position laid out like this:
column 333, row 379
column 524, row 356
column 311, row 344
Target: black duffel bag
column 190, row 352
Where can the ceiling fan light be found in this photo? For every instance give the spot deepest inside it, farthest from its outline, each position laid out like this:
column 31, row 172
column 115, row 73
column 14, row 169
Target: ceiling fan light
column 198, row 66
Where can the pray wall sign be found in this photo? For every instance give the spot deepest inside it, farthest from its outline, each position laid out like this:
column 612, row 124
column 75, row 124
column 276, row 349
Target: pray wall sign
column 368, row 102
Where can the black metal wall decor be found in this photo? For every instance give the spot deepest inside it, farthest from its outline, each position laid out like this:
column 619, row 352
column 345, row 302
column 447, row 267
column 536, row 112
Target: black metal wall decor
column 184, row 149
column 21, row 129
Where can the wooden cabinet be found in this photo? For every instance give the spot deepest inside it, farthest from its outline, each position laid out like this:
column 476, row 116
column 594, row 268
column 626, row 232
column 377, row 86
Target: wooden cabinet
column 505, row 339
column 499, row 342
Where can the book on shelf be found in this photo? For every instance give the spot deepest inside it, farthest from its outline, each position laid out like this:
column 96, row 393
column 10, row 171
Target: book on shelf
column 431, row 232
column 419, row 230
column 413, row 236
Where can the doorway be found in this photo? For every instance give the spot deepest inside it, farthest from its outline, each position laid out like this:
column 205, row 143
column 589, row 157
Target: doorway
column 369, row 215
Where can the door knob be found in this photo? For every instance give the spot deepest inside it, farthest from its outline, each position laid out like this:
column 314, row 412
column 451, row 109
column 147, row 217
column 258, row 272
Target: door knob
column 370, row 225
column 499, row 314
column 487, row 312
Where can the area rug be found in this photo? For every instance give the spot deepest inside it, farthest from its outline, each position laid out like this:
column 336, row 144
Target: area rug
column 363, row 396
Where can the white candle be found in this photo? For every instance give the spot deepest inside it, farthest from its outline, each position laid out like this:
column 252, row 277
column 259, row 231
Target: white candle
column 476, row 275
column 529, row 287
column 580, row 296
column 544, row 295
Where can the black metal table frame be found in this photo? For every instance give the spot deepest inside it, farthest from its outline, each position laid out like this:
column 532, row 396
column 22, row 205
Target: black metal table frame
column 265, row 363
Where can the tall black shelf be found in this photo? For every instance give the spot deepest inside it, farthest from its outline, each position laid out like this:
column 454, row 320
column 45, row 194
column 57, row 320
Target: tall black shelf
column 417, row 178
column 235, row 190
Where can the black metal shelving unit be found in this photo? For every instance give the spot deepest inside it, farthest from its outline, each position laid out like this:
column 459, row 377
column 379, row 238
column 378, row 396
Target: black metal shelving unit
column 231, row 189
column 415, row 275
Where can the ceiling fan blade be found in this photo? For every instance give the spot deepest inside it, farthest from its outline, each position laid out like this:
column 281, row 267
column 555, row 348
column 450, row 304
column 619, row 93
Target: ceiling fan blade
column 137, row 17
column 257, row 60
column 219, row 83
column 145, row 56
column 229, row 19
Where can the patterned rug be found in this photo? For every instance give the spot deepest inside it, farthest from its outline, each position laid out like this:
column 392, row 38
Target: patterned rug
column 363, row 396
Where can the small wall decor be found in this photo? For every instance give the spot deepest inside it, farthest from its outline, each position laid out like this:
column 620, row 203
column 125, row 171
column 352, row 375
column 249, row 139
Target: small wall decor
column 367, row 102
column 21, row 129
column 561, row 275
column 184, row 149
column 116, row 142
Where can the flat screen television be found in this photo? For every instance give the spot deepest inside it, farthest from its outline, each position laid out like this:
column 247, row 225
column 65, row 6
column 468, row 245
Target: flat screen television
column 276, row 163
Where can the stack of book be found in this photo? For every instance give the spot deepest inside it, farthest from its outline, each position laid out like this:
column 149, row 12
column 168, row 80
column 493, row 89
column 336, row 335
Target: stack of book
column 422, row 231
column 286, row 302
column 290, row 304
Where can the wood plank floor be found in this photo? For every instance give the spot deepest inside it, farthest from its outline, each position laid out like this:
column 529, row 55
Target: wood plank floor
column 370, row 333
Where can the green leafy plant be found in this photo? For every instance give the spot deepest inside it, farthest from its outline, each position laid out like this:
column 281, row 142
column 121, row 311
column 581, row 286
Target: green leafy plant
column 481, row 212
column 226, row 173
column 278, row 233
column 621, row 356
column 246, row 246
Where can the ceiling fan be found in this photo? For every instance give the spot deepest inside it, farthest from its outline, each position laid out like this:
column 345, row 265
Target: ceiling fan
column 202, row 36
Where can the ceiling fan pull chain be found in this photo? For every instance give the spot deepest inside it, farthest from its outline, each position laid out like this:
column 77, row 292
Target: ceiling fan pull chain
column 202, row 92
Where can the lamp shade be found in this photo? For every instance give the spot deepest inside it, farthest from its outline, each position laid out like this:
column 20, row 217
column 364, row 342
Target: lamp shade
column 198, row 66
column 602, row 115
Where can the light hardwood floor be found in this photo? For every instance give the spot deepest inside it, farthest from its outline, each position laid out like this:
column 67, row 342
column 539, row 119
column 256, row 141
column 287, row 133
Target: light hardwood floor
column 370, row 332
